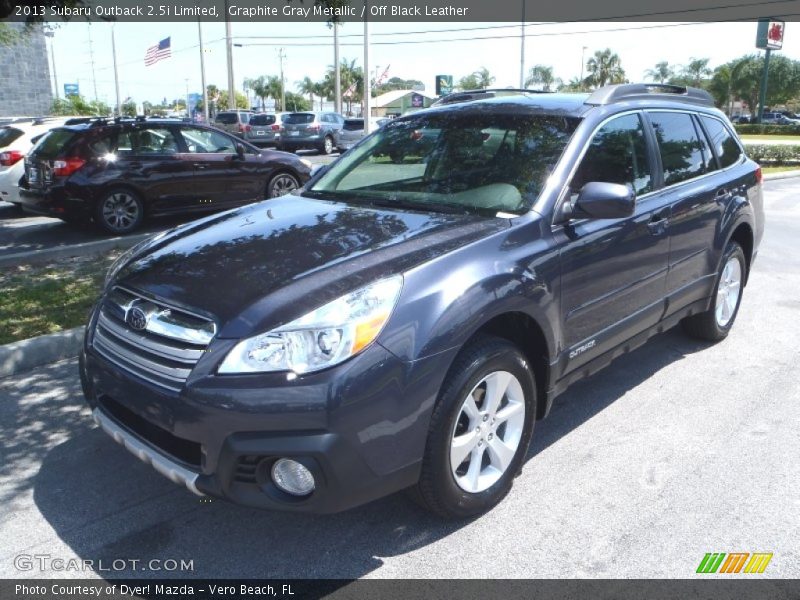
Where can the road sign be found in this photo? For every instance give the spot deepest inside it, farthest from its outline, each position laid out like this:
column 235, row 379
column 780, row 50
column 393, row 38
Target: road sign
column 770, row 34
column 444, row 84
column 71, row 89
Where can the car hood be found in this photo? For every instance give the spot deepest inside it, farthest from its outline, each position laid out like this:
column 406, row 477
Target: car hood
column 268, row 263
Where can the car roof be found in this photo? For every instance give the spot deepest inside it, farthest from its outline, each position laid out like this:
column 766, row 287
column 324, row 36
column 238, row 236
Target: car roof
column 573, row 105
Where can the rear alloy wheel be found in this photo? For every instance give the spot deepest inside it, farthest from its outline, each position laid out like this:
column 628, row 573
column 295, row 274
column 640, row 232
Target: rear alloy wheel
column 282, row 184
column 715, row 323
column 327, row 145
column 480, row 430
column 120, row 211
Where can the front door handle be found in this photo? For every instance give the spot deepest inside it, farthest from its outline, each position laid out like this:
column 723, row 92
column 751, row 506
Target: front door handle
column 199, row 166
column 658, row 222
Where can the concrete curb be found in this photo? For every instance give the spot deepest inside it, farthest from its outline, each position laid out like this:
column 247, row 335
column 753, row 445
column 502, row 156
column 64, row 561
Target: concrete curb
column 46, row 254
column 42, row 350
column 783, row 175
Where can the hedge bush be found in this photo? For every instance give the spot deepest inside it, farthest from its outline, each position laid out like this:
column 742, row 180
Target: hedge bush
column 748, row 129
column 774, row 154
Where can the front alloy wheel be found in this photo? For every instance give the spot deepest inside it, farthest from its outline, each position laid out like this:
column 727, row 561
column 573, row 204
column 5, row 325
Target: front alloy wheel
column 480, row 430
column 121, row 211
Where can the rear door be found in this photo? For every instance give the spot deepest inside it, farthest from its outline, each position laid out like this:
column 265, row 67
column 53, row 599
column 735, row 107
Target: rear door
column 613, row 270
column 221, row 176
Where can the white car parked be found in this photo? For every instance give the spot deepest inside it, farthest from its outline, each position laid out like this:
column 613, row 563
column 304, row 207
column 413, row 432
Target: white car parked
column 16, row 140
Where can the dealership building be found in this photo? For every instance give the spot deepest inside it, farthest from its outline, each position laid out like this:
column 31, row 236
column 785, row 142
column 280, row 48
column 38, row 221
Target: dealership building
column 25, row 75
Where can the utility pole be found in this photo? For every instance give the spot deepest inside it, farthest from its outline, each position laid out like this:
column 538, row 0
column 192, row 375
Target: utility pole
column 49, row 33
column 203, row 71
column 229, row 49
column 281, row 56
column 187, row 96
column 116, row 75
column 522, row 50
column 583, row 62
column 337, row 68
column 91, row 59
column 367, row 86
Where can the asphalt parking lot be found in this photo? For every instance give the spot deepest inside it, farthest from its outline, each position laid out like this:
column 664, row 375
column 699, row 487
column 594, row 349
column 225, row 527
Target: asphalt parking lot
column 676, row 450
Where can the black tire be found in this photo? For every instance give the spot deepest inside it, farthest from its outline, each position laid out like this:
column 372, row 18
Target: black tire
column 281, row 184
column 128, row 219
column 327, row 146
column 437, row 489
column 707, row 325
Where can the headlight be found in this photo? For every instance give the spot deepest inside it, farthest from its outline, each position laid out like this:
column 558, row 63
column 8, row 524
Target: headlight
column 322, row 338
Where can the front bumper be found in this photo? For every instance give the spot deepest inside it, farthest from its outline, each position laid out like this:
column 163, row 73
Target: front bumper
column 360, row 427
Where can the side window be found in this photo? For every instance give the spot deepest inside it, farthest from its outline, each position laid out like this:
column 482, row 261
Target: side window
column 723, row 142
column 147, row 141
column 617, row 154
column 103, row 145
column 206, row 141
column 245, row 117
column 680, row 147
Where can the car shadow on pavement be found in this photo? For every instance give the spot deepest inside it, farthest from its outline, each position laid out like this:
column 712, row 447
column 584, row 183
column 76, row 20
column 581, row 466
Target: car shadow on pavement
column 105, row 505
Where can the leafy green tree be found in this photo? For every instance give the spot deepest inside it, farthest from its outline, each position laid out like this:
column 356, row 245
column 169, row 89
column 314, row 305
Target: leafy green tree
column 307, row 86
column 297, row 102
column 129, row 108
column 541, row 75
column 396, row 83
column 78, row 105
column 576, row 84
column 661, row 73
column 696, row 71
column 477, row 80
column 604, row 68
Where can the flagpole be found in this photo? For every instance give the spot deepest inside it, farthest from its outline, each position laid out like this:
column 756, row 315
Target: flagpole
column 116, row 76
column 203, row 71
column 367, row 86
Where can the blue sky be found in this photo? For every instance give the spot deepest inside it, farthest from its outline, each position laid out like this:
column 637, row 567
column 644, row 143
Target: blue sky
column 309, row 49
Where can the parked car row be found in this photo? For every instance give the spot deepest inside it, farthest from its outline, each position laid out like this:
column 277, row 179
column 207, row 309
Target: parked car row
column 119, row 172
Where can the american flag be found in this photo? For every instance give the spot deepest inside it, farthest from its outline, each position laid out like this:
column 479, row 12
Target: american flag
column 157, row 52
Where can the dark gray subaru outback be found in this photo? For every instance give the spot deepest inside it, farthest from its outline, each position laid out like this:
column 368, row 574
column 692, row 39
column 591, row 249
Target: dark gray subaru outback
column 403, row 320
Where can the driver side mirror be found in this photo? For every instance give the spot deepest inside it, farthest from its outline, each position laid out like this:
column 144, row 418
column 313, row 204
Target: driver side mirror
column 602, row 200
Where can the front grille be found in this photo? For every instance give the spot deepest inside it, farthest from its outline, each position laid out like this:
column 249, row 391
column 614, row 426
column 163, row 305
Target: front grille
column 183, row 450
column 163, row 350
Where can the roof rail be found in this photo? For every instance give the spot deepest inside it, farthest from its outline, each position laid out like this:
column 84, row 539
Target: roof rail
column 480, row 94
column 638, row 91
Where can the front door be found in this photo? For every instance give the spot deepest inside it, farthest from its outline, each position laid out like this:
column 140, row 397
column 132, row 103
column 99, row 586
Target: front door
column 613, row 270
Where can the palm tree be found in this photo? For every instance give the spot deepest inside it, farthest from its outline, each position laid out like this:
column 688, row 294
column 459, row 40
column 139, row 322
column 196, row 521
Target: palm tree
column 661, row 73
column 604, row 67
column 307, row 86
column 323, row 91
column 542, row 75
column 696, row 70
column 260, row 88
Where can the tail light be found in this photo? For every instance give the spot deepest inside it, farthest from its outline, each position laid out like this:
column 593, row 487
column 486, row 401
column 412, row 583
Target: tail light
column 244, row 128
column 759, row 175
column 10, row 157
column 67, row 166
column 275, row 127
column 315, row 127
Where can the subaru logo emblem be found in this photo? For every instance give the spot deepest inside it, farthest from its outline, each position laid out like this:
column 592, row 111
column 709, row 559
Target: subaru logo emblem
column 136, row 318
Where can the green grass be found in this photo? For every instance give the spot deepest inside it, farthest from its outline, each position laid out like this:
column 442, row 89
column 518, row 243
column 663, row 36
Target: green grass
column 39, row 299
column 780, row 169
column 770, row 138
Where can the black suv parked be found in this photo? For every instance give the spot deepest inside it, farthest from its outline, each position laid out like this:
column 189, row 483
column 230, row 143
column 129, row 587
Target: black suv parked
column 118, row 172
column 403, row 322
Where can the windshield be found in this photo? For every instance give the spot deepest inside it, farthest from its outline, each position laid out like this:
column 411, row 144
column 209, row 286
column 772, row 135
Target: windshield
column 472, row 162
column 8, row 135
column 298, row 118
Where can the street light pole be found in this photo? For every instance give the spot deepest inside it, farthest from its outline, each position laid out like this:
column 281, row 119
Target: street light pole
column 337, row 83
column 522, row 50
column 203, row 71
column 229, row 48
column 281, row 56
column 116, row 75
column 762, row 96
column 367, row 86
column 51, row 35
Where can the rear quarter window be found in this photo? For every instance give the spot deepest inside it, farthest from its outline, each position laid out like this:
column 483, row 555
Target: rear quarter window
column 725, row 145
column 9, row 135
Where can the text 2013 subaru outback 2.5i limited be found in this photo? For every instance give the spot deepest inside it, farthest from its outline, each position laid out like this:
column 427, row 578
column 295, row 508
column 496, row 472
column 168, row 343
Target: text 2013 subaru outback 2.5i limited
column 403, row 320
